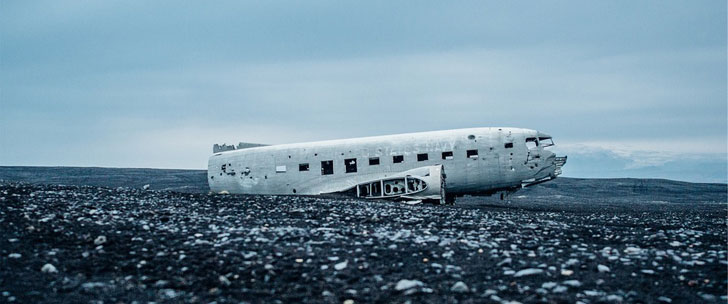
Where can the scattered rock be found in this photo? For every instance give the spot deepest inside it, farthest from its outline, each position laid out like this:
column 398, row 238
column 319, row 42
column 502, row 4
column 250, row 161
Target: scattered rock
column 169, row 293
column 212, row 248
column 560, row 289
column 615, row 298
column 407, row 284
column 632, row 250
column 92, row 285
column 602, row 268
column 100, row 240
column 528, row 272
column 459, row 287
column 506, row 261
column 48, row 268
column 341, row 266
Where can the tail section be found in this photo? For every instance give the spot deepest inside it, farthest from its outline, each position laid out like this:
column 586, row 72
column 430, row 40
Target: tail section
column 242, row 145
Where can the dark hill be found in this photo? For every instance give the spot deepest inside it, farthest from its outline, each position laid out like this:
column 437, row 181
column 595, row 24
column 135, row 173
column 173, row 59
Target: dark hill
column 194, row 181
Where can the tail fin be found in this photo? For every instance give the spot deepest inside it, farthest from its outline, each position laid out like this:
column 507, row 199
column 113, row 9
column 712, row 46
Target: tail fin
column 242, row 145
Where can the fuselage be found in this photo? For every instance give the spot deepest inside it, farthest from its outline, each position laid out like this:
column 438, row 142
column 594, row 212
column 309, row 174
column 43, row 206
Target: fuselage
column 475, row 161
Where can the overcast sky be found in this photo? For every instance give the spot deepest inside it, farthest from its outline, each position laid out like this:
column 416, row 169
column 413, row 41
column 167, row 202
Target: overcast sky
column 641, row 84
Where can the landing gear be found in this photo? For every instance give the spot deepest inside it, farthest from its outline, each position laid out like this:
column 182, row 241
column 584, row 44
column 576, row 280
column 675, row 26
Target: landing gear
column 450, row 199
column 432, row 202
column 505, row 196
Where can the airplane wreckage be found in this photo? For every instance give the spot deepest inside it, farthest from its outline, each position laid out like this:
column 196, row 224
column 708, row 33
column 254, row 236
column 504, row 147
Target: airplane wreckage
column 427, row 166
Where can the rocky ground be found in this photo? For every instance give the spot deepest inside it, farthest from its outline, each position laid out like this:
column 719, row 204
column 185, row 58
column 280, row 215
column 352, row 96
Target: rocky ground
column 123, row 245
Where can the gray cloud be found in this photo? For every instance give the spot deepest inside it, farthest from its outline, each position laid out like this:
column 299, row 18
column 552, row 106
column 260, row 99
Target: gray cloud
column 155, row 85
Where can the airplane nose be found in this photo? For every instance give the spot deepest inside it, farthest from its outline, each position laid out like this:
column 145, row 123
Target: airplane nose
column 559, row 162
column 552, row 164
column 548, row 158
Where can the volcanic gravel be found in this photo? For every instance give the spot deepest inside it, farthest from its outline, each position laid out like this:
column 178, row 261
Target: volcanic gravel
column 123, row 245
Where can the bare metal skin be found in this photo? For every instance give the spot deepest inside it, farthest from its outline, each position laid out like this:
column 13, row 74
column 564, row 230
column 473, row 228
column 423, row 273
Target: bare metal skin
column 437, row 165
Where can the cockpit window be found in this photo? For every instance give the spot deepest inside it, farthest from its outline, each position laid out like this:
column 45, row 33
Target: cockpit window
column 546, row 141
column 531, row 143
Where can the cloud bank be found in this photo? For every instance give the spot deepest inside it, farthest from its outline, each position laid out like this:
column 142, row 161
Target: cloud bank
column 641, row 86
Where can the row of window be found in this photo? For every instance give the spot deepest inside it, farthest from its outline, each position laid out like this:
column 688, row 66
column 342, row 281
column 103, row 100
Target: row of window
column 327, row 166
column 350, row 164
